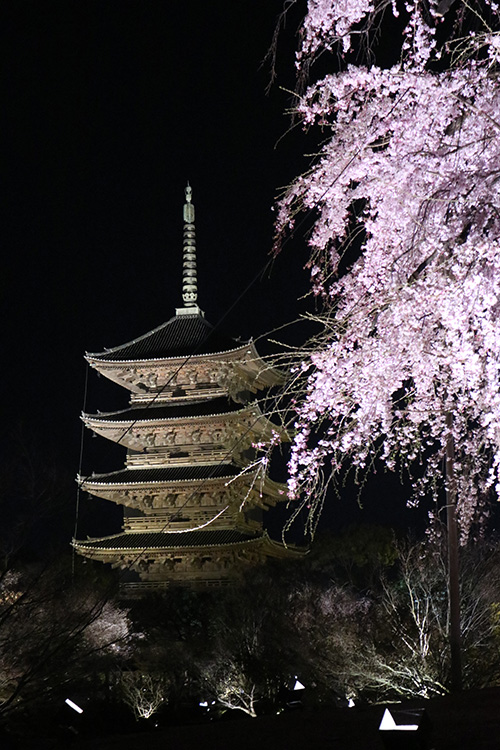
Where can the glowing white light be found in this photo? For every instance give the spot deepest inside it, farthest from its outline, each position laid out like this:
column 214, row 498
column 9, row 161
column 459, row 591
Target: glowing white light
column 351, row 704
column 298, row 685
column 388, row 723
column 204, row 704
column 74, row 706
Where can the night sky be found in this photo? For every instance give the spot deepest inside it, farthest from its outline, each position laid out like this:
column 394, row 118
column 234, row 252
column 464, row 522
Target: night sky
column 110, row 107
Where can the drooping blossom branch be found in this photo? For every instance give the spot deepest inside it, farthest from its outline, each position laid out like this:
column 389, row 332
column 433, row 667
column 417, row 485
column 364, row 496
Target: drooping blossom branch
column 405, row 251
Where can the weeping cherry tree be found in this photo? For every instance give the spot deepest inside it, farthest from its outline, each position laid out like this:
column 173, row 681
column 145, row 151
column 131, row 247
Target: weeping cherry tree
column 404, row 254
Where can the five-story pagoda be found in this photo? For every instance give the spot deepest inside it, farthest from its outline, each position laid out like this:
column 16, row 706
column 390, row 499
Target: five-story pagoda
column 192, row 503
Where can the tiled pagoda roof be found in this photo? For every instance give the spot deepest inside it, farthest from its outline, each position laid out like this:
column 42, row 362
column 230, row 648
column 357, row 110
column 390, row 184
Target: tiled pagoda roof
column 170, row 540
column 181, row 336
column 211, row 407
column 164, row 474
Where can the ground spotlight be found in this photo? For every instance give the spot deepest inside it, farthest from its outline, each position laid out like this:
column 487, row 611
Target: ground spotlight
column 73, row 705
column 405, row 729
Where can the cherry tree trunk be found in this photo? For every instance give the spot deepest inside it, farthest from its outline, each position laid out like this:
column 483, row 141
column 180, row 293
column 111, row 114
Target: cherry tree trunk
column 453, row 565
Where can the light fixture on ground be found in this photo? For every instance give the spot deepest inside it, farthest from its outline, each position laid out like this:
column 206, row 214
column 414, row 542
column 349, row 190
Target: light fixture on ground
column 405, row 729
column 73, row 705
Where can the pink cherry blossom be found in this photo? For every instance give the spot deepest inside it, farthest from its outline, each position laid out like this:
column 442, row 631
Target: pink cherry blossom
column 404, row 254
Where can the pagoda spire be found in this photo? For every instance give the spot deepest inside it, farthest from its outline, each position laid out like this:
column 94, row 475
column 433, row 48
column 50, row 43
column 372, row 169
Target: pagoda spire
column 189, row 276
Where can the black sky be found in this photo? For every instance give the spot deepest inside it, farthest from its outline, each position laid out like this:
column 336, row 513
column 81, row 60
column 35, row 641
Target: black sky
column 109, row 108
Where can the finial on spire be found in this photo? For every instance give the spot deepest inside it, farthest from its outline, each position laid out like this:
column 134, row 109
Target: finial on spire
column 188, row 212
column 189, row 277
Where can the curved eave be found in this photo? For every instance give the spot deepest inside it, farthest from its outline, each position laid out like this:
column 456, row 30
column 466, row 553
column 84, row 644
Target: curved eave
column 136, row 542
column 272, row 492
column 264, row 373
column 98, row 481
column 161, row 543
column 105, row 420
column 98, row 359
column 245, row 357
column 284, row 550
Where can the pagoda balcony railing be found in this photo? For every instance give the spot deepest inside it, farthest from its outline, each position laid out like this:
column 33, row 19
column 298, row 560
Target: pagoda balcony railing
column 143, row 524
column 180, row 455
column 180, row 392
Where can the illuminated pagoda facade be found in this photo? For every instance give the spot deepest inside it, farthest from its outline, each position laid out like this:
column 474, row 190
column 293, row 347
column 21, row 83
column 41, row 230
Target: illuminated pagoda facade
column 193, row 505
